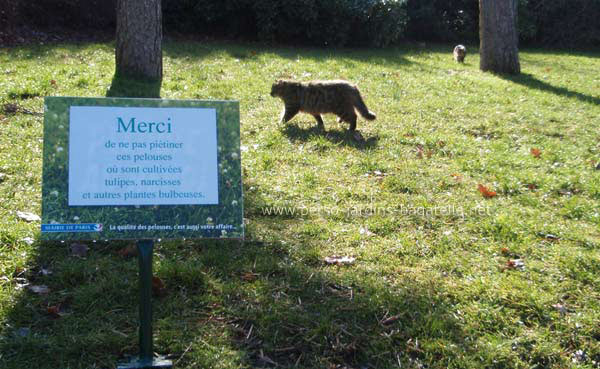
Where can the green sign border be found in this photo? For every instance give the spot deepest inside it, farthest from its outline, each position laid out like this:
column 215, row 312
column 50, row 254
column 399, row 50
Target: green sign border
column 62, row 222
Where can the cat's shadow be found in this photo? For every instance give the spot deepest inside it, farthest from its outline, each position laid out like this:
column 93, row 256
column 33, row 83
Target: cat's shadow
column 344, row 137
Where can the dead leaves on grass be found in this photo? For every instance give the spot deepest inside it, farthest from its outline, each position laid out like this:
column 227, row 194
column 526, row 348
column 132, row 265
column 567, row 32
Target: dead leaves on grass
column 486, row 192
column 390, row 320
column 57, row 311
column 249, row 276
column 514, row 264
column 12, row 108
column 158, row 287
column 128, row 251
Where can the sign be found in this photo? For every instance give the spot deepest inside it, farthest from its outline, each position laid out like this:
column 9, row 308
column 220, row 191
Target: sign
column 117, row 168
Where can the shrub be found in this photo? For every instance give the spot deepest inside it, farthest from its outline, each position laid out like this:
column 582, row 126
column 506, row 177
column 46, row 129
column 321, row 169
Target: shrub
column 74, row 14
column 560, row 22
column 326, row 22
column 316, row 22
column 443, row 20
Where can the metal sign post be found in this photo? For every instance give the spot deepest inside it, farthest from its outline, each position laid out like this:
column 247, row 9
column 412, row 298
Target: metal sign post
column 146, row 357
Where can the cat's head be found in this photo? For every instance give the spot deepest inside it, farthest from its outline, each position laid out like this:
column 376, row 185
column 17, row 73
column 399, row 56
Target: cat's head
column 460, row 51
column 282, row 87
column 278, row 88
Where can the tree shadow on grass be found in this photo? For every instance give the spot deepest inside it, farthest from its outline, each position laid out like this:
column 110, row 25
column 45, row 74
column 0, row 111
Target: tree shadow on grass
column 530, row 81
column 246, row 52
column 282, row 313
column 134, row 87
column 268, row 302
column 344, row 137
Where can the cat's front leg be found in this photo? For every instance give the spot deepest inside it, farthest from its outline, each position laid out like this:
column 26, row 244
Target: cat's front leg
column 288, row 113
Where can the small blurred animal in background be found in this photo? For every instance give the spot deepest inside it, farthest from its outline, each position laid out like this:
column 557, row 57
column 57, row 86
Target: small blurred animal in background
column 460, row 51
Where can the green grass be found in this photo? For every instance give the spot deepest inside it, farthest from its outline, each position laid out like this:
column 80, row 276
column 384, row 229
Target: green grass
column 430, row 287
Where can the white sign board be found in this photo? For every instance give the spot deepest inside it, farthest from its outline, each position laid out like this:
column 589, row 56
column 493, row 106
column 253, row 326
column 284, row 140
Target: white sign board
column 142, row 156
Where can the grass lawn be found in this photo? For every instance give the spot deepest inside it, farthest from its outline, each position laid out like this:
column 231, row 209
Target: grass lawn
column 443, row 277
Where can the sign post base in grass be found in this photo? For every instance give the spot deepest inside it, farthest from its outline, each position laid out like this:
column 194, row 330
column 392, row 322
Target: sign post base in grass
column 146, row 358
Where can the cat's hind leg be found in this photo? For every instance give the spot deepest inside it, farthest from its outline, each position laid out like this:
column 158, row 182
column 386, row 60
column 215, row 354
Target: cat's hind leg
column 349, row 117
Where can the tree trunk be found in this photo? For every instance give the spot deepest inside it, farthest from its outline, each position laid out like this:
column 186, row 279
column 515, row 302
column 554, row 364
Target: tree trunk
column 139, row 39
column 498, row 36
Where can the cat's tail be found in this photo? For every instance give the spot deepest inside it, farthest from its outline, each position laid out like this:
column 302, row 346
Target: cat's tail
column 359, row 104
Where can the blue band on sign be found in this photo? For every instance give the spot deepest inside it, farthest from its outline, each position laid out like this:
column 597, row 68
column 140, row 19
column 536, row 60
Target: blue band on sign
column 83, row 227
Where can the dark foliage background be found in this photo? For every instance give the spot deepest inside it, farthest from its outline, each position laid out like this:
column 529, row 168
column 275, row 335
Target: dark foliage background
column 557, row 23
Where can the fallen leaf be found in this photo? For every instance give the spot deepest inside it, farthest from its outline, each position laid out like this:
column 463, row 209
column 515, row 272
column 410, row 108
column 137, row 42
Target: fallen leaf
column 40, row 290
column 249, row 276
column 53, row 82
column 54, row 311
column 19, row 271
column 505, row 251
column 532, row 186
column 390, row 320
column 420, row 151
column 29, row 217
column 536, row 152
column 515, row 264
column 128, row 251
column 486, row 192
column 158, row 287
column 79, row 250
column 340, row 260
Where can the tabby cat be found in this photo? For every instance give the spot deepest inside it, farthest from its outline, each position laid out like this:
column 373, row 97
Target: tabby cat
column 341, row 98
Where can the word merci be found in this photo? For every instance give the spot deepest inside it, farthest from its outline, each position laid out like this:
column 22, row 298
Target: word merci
column 143, row 127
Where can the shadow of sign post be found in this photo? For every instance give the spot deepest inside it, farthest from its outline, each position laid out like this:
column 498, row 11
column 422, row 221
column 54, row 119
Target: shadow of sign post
column 141, row 169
